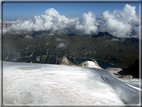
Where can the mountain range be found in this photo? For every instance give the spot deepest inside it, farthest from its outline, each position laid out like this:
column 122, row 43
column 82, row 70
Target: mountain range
column 42, row 47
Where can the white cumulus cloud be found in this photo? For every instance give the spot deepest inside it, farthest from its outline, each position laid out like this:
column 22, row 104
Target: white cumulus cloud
column 51, row 20
column 121, row 23
column 87, row 23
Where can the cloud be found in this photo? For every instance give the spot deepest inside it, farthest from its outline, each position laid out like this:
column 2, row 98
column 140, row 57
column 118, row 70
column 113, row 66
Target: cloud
column 6, row 30
column 61, row 45
column 117, row 40
column 114, row 39
column 59, row 39
column 87, row 23
column 28, row 37
column 51, row 20
column 121, row 23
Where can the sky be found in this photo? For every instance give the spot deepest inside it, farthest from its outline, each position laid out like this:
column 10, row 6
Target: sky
column 23, row 10
column 119, row 19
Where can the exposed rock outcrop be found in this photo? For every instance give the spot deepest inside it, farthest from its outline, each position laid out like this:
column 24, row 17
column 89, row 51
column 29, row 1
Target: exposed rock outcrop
column 43, row 59
column 38, row 58
column 115, row 72
column 63, row 61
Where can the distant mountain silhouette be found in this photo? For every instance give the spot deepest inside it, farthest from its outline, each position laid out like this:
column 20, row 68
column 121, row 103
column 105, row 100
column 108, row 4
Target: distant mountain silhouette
column 73, row 34
column 104, row 35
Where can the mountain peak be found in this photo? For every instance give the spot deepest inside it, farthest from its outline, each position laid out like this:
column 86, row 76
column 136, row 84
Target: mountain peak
column 103, row 35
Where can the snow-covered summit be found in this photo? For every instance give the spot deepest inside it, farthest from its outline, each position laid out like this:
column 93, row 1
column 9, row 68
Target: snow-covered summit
column 47, row 84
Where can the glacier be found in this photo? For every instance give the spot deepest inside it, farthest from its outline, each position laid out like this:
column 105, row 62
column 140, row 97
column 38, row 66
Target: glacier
column 49, row 84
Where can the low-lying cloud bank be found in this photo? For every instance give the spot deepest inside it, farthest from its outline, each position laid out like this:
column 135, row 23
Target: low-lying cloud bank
column 120, row 23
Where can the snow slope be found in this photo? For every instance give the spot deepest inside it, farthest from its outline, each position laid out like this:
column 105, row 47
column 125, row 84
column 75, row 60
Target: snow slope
column 133, row 83
column 47, row 84
column 92, row 65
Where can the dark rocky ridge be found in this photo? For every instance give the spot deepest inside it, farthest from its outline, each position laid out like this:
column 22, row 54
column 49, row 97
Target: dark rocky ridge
column 49, row 49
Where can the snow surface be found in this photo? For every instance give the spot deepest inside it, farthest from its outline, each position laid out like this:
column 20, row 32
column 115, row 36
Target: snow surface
column 92, row 64
column 47, row 84
column 135, row 83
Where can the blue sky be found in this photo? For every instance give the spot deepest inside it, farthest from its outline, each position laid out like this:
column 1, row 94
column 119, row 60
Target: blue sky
column 23, row 10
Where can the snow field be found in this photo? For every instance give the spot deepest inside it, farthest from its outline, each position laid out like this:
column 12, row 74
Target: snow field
column 45, row 84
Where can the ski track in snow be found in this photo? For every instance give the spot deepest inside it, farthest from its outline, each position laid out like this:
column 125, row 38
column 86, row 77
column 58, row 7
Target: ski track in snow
column 47, row 84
